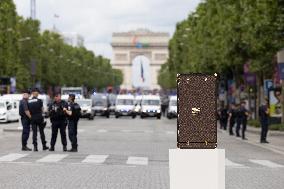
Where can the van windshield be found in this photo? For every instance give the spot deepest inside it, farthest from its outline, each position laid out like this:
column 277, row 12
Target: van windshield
column 84, row 102
column 2, row 105
column 125, row 102
column 151, row 102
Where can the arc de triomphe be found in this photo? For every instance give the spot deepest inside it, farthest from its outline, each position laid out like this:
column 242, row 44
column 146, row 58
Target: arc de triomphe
column 151, row 47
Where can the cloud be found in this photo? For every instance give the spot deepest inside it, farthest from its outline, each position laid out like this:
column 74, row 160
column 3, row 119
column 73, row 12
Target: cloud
column 96, row 20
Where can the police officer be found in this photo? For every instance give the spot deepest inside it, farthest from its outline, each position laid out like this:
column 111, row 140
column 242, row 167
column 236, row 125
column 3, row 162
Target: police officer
column 36, row 107
column 223, row 115
column 58, row 121
column 242, row 120
column 73, row 115
column 25, row 119
column 232, row 118
column 264, row 120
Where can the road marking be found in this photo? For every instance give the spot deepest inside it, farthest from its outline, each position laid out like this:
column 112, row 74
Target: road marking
column 11, row 157
column 170, row 132
column 102, row 131
column 95, row 159
column 53, row 158
column 233, row 164
column 81, row 130
column 266, row 163
column 148, row 131
column 126, row 131
column 137, row 160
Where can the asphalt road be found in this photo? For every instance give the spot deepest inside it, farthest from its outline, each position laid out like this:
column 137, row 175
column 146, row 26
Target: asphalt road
column 131, row 154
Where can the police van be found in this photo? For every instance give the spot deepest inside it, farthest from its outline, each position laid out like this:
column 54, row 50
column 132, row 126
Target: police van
column 172, row 110
column 86, row 108
column 150, row 106
column 124, row 106
column 9, row 110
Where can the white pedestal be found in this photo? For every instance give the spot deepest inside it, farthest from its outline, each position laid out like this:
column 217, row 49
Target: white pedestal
column 197, row 168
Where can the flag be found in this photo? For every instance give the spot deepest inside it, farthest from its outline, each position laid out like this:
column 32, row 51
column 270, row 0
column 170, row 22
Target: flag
column 142, row 71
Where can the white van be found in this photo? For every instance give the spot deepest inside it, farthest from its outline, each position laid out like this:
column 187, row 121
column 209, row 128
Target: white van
column 151, row 106
column 46, row 101
column 9, row 110
column 124, row 106
column 137, row 103
column 172, row 110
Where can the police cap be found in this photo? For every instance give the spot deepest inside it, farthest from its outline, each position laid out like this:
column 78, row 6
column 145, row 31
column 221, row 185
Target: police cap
column 35, row 90
column 26, row 91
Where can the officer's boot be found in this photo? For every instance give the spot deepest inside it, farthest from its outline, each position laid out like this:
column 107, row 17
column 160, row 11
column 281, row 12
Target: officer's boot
column 73, row 149
column 51, row 148
column 25, row 148
column 35, row 148
column 44, row 147
column 64, row 148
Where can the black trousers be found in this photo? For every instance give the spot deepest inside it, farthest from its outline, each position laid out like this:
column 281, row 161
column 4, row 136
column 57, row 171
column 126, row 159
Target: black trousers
column 264, row 130
column 241, row 123
column 232, row 123
column 164, row 108
column 26, row 123
column 58, row 125
column 223, row 124
column 35, row 126
column 72, row 132
column 244, row 127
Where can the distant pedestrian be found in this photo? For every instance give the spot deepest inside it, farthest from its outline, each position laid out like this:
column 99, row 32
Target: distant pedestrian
column 264, row 121
column 58, row 121
column 232, row 118
column 223, row 117
column 73, row 114
column 164, row 103
column 25, row 120
column 36, row 108
column 242, row 116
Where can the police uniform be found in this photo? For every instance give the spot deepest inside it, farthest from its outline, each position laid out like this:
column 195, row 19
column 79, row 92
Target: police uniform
column 232, row 120
column 241, row 120
column 73, row 124
column 223, row 118
column 35, row 107
column 26, row 123
column 58, row 121
column 264, row 120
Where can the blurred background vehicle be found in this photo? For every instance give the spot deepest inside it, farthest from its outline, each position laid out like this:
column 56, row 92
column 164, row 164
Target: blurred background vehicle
column 86, row 108
column 125, row 106
column 111, row 100
column 100, row 105
column 137, row 103
column 9, row 110
column 172, row 110
column 151, row 106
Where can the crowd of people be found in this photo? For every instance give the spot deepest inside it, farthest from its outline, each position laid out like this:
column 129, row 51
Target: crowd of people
column 236, row 116
column 62, row 115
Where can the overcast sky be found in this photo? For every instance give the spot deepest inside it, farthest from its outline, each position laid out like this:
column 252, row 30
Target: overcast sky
column 96, row 20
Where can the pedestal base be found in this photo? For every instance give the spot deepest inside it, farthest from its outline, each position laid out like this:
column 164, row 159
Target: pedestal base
column 197, row 168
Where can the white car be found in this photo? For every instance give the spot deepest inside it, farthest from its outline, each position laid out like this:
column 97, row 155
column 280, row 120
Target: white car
column 151, row 106
column 86, row 108
column 9, row 110
column 124, row 106
column 172, row 110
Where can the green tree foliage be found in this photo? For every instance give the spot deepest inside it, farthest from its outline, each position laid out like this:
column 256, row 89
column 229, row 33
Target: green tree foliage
column 34, row 57
column 222, row 35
